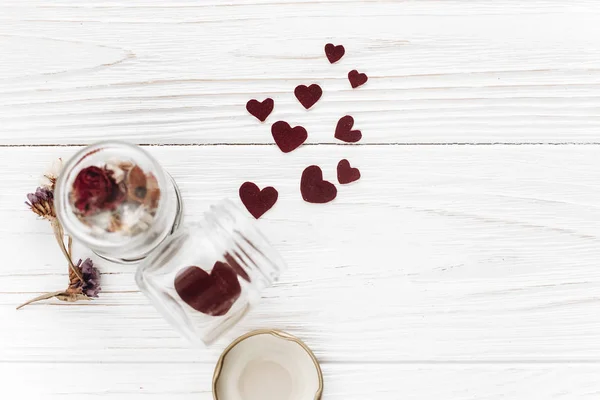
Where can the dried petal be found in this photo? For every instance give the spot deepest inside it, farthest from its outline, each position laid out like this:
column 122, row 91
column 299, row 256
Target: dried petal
column 94, row 190
column 153, row 192
column 117, row 172
column 136, row 184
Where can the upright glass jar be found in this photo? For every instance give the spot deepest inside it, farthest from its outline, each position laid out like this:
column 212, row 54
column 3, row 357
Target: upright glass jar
column 116, row 199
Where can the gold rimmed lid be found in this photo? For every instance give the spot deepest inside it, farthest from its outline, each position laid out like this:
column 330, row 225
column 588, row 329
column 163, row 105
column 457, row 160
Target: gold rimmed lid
column 286, row 361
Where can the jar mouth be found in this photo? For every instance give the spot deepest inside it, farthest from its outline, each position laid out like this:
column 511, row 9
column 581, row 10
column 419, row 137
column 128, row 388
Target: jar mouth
column 89, row 156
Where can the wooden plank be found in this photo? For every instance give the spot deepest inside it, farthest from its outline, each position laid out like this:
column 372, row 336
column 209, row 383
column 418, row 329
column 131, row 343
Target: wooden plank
column 440, row 72
column 342, row 382
column 447, row 253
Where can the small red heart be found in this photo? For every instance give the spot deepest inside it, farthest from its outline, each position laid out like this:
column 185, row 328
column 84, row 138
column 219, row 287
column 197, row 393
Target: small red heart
column 260, row 110
column 314, row 189
column 286, row 137
column 344, row 132
column 333, row 52
column 308, row 95
column 212, row 294
column 257, row 201
column 357, row 79
column 346, row 173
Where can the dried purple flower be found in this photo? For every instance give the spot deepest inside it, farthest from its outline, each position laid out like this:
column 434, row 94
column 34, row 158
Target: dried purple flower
column 84, row 278
column 42, row 203
column 91, row 278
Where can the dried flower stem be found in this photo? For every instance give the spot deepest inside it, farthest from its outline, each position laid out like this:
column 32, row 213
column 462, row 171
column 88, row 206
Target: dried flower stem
column 41, row 297
column 73, row 270
column 59, row 234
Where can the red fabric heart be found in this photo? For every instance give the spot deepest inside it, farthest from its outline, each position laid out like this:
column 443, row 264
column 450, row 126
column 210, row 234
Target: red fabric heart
column 257, row 201
column 286, row 137
column 346, row 173
column 212, row 294
column 357, row 79
column 344, row 132
column 314, row 189
column 260, row 110
column 333, row 52
column 308, row 96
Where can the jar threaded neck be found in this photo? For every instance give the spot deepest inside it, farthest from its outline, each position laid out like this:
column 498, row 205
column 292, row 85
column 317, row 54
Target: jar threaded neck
column 244, row 248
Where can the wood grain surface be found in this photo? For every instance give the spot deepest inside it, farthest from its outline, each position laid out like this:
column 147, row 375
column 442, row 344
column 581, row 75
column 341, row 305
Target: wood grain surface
column 377, row 382
column 163, row 72
column 463, row 265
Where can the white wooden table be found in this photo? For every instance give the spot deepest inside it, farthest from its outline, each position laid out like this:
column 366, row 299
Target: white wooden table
column 464, row 265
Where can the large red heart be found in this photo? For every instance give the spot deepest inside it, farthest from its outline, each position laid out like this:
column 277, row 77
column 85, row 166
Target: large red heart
column 286, row 137
column 212, row 294
column 346, row 173
column 260, row 110
column 314, row 189
column 333, row 52
column 257, row 201
column 308, row 95
column 344, row 132
column 357, row 79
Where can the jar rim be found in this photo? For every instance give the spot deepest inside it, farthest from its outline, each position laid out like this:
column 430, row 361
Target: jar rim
column 62, row 201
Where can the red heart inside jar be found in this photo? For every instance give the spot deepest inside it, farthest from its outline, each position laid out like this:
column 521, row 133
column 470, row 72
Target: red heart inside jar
column 212, row 294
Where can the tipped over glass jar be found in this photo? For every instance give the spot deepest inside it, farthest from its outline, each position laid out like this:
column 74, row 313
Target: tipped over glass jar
column 117, row 200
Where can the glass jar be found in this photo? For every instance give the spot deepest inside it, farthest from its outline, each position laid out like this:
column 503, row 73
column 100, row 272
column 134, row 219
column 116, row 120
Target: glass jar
column 205, row 277
column 117, row 200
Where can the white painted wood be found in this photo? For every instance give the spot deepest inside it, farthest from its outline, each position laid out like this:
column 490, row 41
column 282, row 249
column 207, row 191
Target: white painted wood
column 439, row 253
column 342, row 382
column 164, row 72
column 454, row 272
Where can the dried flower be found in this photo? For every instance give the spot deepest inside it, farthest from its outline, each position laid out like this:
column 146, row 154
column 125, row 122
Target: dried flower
column 52, row 173
column 42, row 203
column 83, row 284
column 95, row 190
column 91, row 278
column 116, row 197
column 84, row 278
